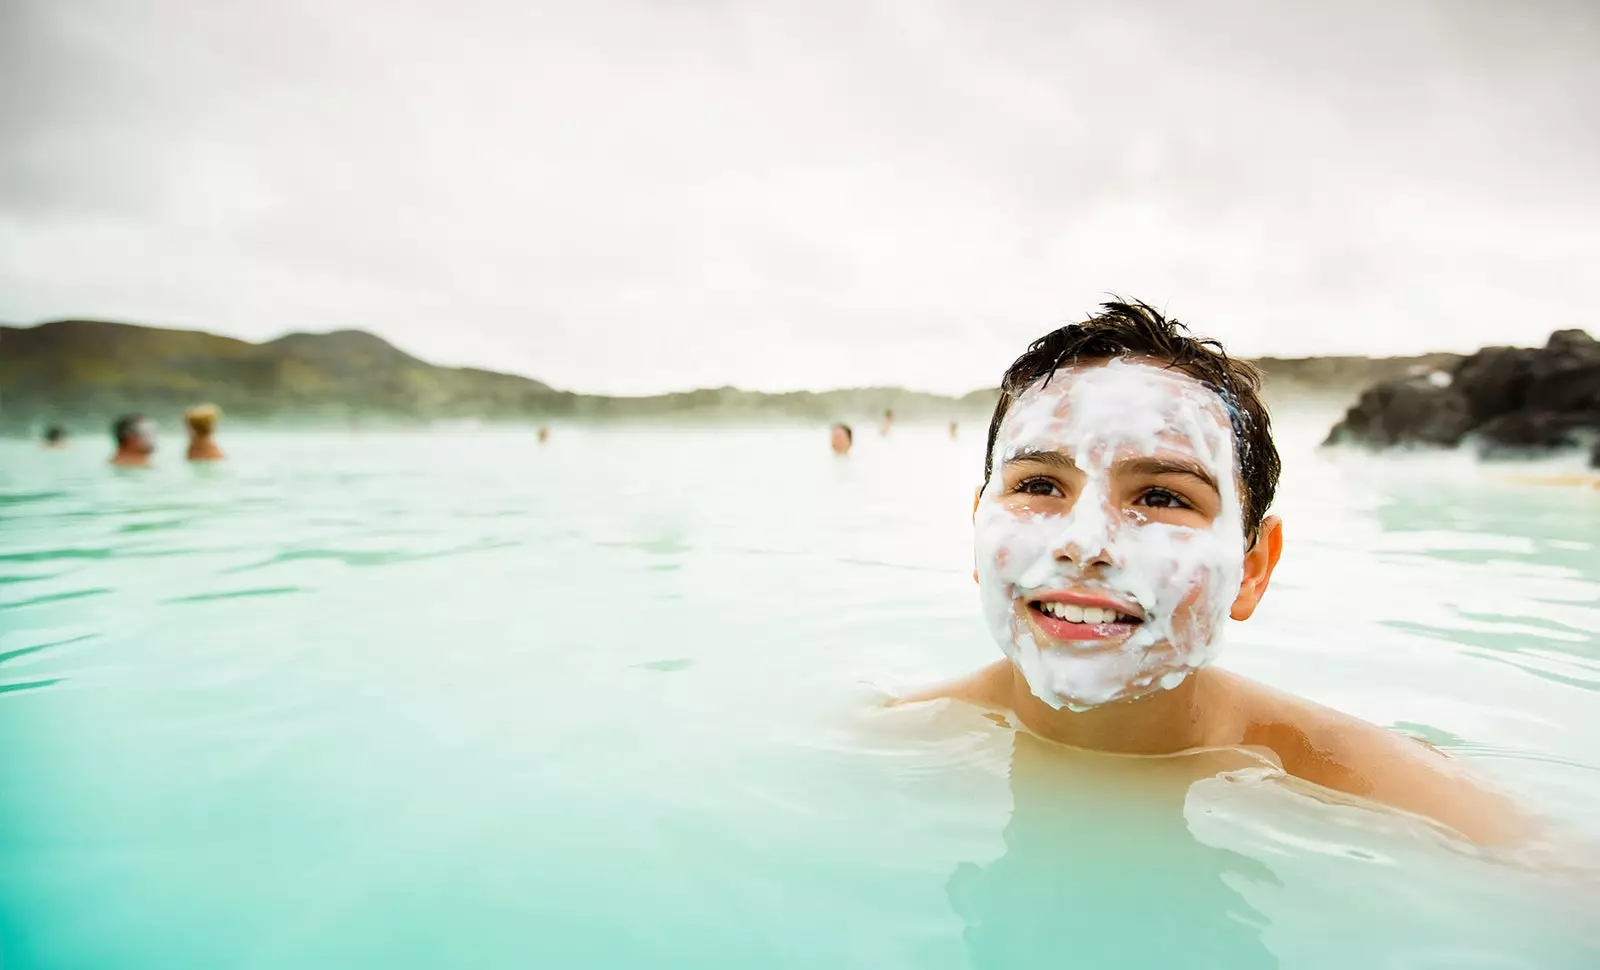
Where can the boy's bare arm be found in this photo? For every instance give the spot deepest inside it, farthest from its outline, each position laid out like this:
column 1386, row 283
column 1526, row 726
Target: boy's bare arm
column 1416, row 778
column 1352, row 756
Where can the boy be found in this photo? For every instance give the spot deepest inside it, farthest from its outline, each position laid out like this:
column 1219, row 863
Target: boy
column 1121, row 521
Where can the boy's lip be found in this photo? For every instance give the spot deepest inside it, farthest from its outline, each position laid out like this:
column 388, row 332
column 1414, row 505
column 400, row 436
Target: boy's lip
column 1081, row 598
column 1129, row 616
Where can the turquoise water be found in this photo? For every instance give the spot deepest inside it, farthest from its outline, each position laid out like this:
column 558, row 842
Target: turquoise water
column 456, row 699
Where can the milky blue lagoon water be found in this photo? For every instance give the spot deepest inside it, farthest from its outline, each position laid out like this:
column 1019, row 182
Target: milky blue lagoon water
column 454, row 699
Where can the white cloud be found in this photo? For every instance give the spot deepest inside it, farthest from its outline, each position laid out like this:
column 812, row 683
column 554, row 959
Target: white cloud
column 632, row 196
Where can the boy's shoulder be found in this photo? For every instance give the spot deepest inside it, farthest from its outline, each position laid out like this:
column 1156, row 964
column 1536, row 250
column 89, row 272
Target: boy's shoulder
column 1304, row 734
column 1346, row 754
column 1314, row 743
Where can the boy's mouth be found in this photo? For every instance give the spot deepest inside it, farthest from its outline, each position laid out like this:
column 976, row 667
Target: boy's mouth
column 1080, row 616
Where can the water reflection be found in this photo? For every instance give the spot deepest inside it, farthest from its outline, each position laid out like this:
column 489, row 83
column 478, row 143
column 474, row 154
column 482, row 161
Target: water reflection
column 1100, row 869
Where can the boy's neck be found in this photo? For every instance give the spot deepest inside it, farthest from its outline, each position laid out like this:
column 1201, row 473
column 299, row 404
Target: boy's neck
column 1164, row 722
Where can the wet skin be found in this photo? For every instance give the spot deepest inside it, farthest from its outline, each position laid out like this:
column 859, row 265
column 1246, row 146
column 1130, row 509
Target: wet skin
column 1164, row 481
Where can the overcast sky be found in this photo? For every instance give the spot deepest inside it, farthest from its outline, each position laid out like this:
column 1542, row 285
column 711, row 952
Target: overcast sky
column 638, row 196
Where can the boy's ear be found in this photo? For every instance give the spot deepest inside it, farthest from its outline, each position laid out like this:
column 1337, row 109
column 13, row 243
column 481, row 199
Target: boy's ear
column 1258, row 565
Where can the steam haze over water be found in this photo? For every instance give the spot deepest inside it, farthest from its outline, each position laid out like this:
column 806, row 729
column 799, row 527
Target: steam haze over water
column 633, row 197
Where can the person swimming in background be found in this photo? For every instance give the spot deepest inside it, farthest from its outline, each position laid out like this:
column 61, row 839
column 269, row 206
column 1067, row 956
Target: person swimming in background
column 55, row 438
column 840, row 438
column 954, row 427
column 544, row 434
column 1121, row 521
column 202, row 422
column 888, row 422
column 135, row 441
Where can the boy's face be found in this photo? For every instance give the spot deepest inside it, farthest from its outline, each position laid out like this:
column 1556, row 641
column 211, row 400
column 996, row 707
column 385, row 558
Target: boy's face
column 1110, row 542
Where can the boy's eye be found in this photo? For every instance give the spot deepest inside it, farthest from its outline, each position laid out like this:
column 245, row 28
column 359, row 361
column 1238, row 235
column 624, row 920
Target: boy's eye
column 1037, row 486
column 1161, row 498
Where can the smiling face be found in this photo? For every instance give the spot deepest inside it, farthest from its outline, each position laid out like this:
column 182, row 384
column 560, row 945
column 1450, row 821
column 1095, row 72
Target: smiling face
column 1110, row 541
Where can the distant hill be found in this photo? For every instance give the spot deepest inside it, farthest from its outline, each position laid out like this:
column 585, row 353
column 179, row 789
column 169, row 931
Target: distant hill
column 78, row 370
column 84, row 372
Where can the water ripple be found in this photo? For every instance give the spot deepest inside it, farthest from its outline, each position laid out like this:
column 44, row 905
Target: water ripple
column 359, row 557
column 46, row 555
column 23, row 498
column 8, row 688
column 238, row 594
column 54, row 598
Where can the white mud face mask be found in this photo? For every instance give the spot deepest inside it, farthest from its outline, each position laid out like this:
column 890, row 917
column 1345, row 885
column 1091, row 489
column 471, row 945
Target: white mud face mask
column 1099, row 583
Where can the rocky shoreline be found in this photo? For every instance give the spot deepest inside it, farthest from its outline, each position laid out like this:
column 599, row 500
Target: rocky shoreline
column 1507, row 402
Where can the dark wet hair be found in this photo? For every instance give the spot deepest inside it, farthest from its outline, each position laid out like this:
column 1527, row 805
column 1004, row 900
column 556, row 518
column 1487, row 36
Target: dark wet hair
column 54, row 433
column 126, row 427
column 849, row 435
column 1136, row 329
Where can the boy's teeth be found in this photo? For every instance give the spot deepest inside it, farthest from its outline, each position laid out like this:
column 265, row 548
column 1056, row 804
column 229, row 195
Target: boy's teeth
column 1079, row 614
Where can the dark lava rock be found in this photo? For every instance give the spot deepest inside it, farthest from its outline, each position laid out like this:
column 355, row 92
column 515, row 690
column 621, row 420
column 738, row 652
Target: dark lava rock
column 1510, row 400
column 1567, row 389
column 1409, row 410
column 1573, row 342
column 1522, row 433
column 1495, row 380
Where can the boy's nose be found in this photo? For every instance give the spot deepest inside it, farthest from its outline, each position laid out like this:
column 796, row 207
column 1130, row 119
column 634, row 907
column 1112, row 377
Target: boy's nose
column 1086, row 554
column 1087, row 540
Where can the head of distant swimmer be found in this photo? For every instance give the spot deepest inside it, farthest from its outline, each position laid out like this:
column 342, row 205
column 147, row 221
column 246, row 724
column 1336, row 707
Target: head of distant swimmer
column 840, row 437
column 55, row 434
column 1122, row 519
column 133, row 435
column 202, row 419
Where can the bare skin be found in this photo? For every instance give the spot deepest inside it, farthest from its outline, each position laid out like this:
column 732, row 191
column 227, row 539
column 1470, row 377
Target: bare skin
column 203, row 448
column 131, row 456
column 1209, row 708
column 1217, row 709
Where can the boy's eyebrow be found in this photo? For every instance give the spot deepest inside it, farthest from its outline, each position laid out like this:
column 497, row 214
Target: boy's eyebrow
column 1039, row 456
column 1151, row 465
